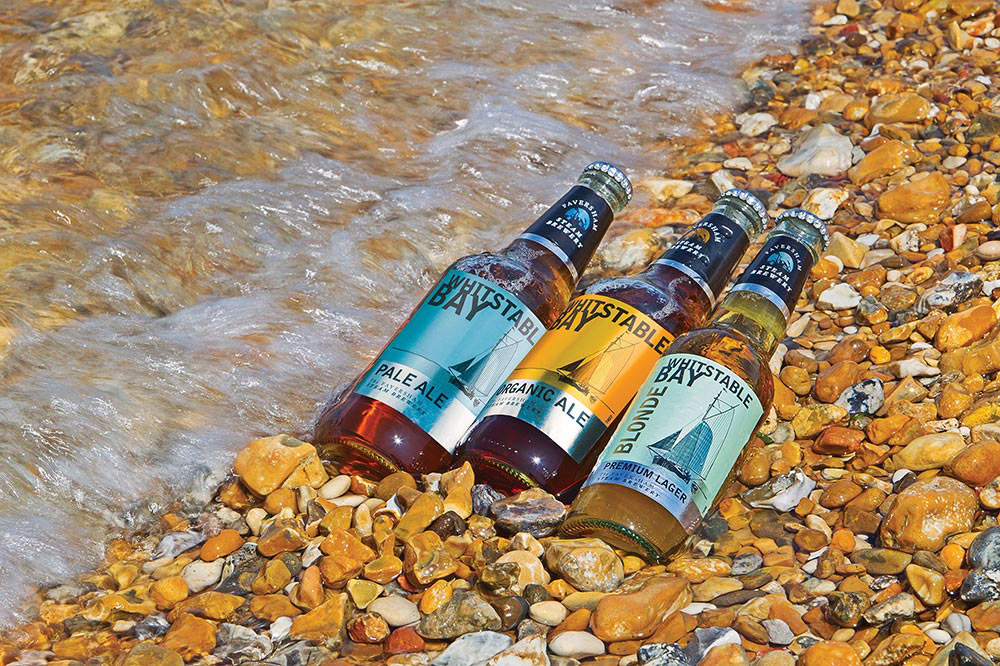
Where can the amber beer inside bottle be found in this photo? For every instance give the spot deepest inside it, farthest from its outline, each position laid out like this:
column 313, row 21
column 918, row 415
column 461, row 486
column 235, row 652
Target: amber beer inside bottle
column 372, row 436
column 549, row 420
column 617, row 502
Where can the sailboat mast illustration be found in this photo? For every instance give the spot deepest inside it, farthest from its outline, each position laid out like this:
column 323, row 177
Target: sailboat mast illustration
column 478, row 374
column 596, row 372
column 685, row 452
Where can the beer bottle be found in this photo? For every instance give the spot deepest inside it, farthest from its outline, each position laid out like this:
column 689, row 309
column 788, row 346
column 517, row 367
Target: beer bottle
column 411, row 406
column 546, row 422
column 678, row 444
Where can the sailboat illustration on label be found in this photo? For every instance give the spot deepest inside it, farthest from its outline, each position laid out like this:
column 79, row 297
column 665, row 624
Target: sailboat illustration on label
column 596, row 372
column 686, row 451
column 479, row 375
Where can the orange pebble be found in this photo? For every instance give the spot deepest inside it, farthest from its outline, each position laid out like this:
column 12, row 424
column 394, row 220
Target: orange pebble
column 879, row 355
column 175, row 522
column 843, row 540
column 222, row 544
column 280, row 499
column 953, row 554
column 168, row 592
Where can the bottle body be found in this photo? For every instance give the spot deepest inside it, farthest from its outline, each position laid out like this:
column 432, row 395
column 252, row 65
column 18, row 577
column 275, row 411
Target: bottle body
column 411, row 406
column 678, row 445
column 549, row 420
column 626, row 498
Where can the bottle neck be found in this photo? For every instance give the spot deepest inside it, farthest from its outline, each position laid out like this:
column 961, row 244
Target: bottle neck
column 708, row 253
column 761, row 302
column 573, row 227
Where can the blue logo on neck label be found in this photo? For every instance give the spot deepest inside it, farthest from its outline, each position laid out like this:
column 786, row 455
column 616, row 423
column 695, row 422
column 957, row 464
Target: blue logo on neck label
column 580, row 216
column 781, row 260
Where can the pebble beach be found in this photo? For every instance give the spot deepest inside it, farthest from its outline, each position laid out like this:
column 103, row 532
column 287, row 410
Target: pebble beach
column 862, row 527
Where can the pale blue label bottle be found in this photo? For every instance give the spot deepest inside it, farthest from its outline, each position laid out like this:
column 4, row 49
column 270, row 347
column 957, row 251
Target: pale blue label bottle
column 449, row 359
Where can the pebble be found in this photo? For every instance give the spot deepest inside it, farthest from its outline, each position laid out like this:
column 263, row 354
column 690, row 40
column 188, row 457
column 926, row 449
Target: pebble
column 576, row 644
column 865, row 397
column 755, row 124
column 981, row 585
column 549, row 613
column 239, row 644
column 704, row 640
column 465, row 612
column 636, row 614
column 845, row 608
column 202, row 575
column 840, row 296
column 900, row 606
column 984, row 551
column 661, row 654
column 930, row 451
column 395, row 610
column 823, row 202
column 511, row 611
column 822, row 151
column 917, row 201
column 335, row 487
column 782, row 493
column 483, row 497
column 956, row 623
column 533, row 511
column 529, row 651
column 473, row 648
column 746, row 563
column 588, row 565
column 989, row 251
column 778, row 632
column 927, row 512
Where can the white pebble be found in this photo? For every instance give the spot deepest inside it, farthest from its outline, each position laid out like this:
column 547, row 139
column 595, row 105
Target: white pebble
column 395, row 610
column 202, row 575
column 255, row 517
column 280, row 628
column 335, row 487
column 348, row 500
column 576, row 644
column 549, row 613
column 939, row 636
column 312, row 552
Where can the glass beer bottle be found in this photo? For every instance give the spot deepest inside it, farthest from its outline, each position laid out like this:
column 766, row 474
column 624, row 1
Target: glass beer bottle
column 546, row 422
column 420, row 395
column 678, row 444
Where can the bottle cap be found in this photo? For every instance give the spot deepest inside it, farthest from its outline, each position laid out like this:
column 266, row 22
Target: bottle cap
column 615, row 176
column 807, row 217
column 751, row 205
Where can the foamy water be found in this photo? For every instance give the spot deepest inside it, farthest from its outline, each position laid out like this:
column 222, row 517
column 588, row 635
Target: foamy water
column 213, row 213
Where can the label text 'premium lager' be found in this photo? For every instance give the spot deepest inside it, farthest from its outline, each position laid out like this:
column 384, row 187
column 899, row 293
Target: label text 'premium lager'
column 678, row 444
column 412, row 405
column 547, row 421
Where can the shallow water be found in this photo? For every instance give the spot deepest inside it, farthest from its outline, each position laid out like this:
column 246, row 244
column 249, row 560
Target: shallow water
column 212, row 213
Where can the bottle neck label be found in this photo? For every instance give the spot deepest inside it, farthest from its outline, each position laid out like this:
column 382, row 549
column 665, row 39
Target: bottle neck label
column 778, row 272
column 681, row 436
column 708, row 253
column 583, row 372
column 573, row 227
column 446, row 361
